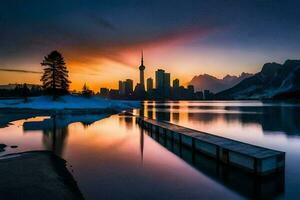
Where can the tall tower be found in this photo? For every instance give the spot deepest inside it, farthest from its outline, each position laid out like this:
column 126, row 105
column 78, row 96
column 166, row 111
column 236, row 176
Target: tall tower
column 142, row 68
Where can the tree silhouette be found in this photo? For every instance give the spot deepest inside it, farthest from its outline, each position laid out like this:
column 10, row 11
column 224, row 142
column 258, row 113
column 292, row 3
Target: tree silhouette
column 23, row 91
column 55, row 78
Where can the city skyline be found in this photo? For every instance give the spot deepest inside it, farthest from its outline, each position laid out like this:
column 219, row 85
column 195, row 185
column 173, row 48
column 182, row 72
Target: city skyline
column 160, row 82
column 102, row 38
column 142, row 79
column 164, row 88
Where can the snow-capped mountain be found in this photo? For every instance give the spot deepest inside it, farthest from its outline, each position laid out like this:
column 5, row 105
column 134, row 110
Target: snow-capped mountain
column 273, row 81
column 208, row 82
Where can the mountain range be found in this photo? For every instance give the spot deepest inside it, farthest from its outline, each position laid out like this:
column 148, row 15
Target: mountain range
column 273, row 81
column 208, row 82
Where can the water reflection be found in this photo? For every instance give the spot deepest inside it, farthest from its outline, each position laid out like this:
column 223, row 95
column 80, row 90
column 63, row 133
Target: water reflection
column 246, row 184
column 55, row 139
column 273, row 125
column 142, row 144
column 127, row 121
column 275, row 118
column 55, row 129
column 114, row 154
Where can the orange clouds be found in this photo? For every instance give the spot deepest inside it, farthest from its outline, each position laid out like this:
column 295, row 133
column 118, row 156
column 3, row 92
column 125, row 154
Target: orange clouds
column 103, row 66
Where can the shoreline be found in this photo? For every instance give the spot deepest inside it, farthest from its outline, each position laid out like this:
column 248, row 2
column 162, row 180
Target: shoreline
column 46, row 178
column 16, row 109
column 25, row 113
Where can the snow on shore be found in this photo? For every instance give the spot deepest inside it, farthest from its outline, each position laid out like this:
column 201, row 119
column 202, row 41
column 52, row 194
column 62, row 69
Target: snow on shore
column 68, row 102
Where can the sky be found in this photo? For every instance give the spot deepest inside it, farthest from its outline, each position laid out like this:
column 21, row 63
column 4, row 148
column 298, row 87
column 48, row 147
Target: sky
column 101, row 40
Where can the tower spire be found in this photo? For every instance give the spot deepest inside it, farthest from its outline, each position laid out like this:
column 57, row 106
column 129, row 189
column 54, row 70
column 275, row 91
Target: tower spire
column 142, row 69
column 142, row 58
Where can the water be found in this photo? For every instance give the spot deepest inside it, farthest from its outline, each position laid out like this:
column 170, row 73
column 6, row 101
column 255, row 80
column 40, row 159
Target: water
column 113, row 158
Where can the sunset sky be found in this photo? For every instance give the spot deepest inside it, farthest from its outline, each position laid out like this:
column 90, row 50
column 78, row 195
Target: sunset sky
column 101, row 40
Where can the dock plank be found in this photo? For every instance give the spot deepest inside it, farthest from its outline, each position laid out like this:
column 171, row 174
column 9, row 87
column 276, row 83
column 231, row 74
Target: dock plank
column 230, row 144
column 247, row 150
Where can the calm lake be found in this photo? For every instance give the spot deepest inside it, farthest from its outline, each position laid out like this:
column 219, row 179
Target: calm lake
column 113, row 158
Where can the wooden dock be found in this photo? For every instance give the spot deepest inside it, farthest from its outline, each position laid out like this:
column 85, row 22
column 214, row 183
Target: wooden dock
column 259, row 160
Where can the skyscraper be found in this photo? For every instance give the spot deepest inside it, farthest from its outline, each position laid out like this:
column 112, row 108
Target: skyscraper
column 167, row 86
column 128, row 86
column 149, row 84
column 176, row 83
column 142, row 68
column 121, row 88
column 176, row 91
column 159, row 80
column 190, row 92
column 162, row 83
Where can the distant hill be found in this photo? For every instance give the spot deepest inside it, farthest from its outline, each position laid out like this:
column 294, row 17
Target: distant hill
column 273, row 81
column 208, row 82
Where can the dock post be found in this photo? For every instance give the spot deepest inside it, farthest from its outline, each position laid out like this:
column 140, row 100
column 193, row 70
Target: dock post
column 225, row 156
column 256, row 166
column 155, row 132
column 193, row 151
column 172, row 140
column 218, row 153
column 165, row 136
column 180, row 145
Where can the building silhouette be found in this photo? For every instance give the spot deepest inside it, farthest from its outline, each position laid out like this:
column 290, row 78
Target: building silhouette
column 142, row 69
column 199, row 95
column 190, row 92
column 121, row 88
column 162, row 90
column 162, row 83
column 139, row 90
column 167, row 86
column 149, row 84
column 104, row 92
column 159, row 79
column 175, row 92
column 176, row 83
column 126, row 88
column 208, row 95
column 129, row 86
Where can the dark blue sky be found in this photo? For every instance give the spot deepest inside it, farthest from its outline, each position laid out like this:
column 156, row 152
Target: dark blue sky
column 215, row 36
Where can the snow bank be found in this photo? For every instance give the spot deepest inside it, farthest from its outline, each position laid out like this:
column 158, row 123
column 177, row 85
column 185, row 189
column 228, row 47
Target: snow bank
column 68, row 102
column 62, row 121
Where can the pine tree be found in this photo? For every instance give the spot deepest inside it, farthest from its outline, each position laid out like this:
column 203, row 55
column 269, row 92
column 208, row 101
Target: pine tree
column 55, row 78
